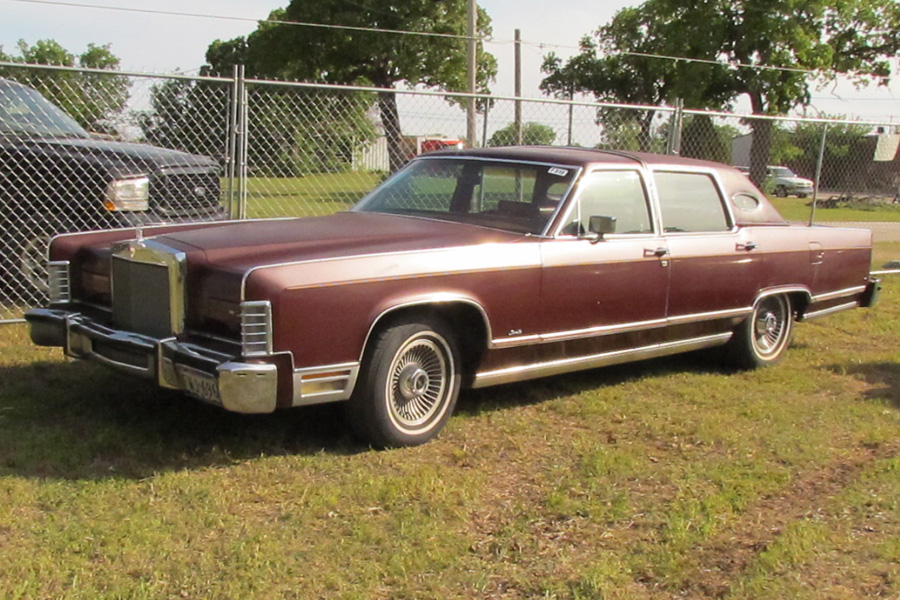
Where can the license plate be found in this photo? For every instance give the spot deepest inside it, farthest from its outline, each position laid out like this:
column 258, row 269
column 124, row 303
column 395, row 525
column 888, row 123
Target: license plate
column 197, row 383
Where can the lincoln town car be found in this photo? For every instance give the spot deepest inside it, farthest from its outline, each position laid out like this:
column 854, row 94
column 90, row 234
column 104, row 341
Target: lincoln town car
column 465, row 269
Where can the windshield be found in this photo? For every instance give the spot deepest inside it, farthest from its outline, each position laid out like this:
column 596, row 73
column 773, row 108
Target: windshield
column 23, row 111
column 518, row 197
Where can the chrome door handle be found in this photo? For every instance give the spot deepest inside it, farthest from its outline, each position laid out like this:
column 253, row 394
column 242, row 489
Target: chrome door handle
column 661, row 251
column 748, row 247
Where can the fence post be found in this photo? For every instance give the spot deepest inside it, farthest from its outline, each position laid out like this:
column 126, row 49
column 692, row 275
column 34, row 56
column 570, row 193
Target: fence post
column 815, row 196
column 232, row 142
column 673, row 143
column 244, row 144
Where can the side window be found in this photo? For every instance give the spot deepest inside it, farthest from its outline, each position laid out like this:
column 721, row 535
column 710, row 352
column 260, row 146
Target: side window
column 690, row 202
column 615, row 194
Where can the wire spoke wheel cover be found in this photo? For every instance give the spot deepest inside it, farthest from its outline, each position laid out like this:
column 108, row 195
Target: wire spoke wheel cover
column 418, row 383
column 408, row 384
column 771, row 324
column 762, row 338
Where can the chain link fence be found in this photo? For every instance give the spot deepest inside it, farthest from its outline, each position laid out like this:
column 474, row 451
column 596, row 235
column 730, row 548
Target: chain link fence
column 85, row 149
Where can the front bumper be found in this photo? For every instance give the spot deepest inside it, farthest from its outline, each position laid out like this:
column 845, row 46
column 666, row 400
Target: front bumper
column 205, row 374
column 798, row 188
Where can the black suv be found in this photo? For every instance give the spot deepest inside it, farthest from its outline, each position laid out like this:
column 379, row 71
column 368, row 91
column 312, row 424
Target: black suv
column 55, row 176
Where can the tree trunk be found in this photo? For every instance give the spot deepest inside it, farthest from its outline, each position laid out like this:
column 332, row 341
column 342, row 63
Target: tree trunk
column 390, row 120
column 761, row 130
column 645, row 138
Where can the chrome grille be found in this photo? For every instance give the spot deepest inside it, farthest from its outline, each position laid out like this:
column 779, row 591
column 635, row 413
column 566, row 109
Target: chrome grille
column 141, row 297
column 148, row 288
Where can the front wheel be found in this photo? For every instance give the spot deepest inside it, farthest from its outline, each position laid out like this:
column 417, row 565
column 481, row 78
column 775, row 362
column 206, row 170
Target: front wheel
column 763, row 338
column 408, row 385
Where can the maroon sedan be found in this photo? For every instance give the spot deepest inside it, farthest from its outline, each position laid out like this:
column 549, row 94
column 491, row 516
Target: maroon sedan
column 463, row 270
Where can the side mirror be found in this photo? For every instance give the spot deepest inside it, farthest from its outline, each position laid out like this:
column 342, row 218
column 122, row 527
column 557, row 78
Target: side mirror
column 601, row 225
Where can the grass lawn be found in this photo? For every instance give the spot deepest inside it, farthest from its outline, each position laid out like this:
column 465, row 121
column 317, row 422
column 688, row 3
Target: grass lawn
column 796, row 209
column 312, row 195
column 669, row 478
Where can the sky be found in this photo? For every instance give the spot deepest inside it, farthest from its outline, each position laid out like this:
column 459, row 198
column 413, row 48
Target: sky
column 153, row 43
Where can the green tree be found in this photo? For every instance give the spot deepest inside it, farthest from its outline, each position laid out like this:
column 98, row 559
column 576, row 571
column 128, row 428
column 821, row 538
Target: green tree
column 616, row 65
column 380, row 59
column 92, row 99
column 702, row 138
column 188, row 115
column 772, row 52
column 533, row 134
column 847, row 159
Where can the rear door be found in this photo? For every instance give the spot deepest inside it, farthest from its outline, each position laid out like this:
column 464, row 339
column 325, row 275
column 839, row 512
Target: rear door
column 714, row 266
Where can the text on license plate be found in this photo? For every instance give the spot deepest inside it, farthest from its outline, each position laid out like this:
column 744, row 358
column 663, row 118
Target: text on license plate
column 199, row 384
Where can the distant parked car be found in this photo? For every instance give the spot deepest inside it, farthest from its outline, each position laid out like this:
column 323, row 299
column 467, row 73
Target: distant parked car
column 56, row 176
column 464, row 269
column 785, row 182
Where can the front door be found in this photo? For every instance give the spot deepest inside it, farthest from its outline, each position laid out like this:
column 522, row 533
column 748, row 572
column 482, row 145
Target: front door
column 605, row 294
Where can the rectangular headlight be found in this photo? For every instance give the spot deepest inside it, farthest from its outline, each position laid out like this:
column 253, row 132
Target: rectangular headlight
column 128, row 194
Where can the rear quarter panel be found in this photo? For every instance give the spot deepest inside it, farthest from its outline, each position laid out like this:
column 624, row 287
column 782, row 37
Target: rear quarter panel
column 822, row 259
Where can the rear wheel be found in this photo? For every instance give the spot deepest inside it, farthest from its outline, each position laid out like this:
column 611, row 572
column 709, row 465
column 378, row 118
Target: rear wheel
column 781, row 191
column 762, row 339
column 408, row 385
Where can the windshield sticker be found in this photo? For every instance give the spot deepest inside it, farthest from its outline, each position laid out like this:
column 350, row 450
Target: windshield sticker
column 559, row 172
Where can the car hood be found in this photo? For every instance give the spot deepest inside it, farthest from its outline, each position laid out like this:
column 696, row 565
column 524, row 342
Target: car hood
column 240, row 246
column 122, row 158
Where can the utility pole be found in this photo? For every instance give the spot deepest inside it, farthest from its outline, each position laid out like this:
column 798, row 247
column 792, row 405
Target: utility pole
column 472, row 47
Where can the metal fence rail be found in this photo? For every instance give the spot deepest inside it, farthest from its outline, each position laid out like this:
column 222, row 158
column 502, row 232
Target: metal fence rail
column 83, row 149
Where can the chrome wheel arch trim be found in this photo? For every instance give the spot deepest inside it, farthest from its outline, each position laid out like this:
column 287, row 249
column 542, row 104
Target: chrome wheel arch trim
column 787, row 290
column 436, row 299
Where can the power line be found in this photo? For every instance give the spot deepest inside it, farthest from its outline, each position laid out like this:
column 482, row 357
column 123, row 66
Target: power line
column 539, row 45
column 735, row 65
column 247, row 19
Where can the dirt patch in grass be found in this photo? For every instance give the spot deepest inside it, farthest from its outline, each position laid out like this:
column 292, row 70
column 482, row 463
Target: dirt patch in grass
column 722, row 560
